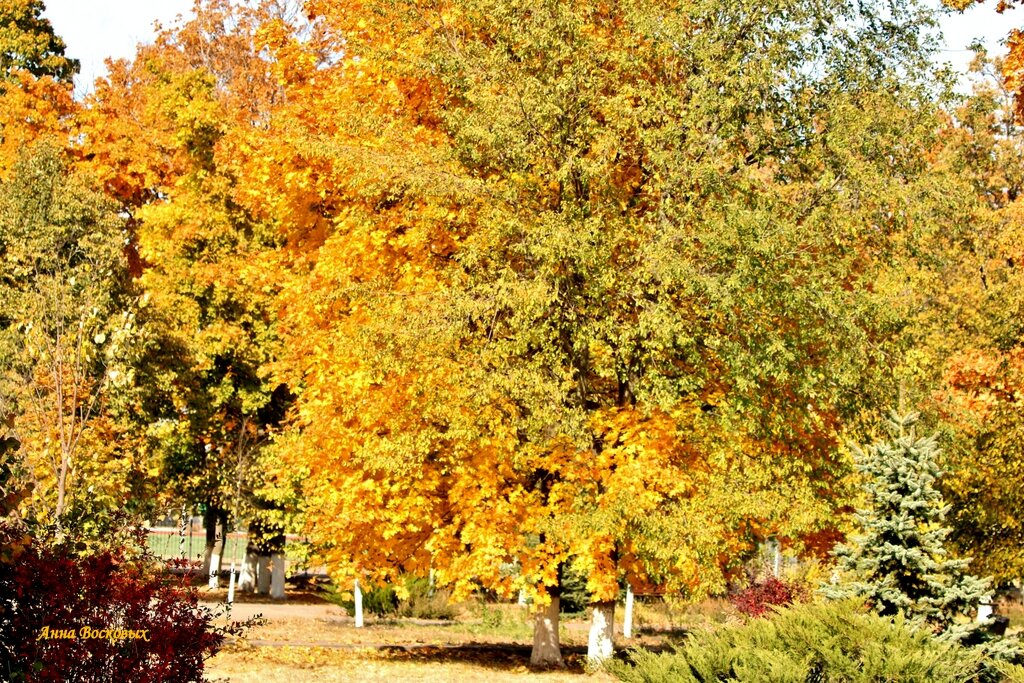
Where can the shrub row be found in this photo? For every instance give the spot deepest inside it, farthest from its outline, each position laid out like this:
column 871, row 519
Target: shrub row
column 838, row 642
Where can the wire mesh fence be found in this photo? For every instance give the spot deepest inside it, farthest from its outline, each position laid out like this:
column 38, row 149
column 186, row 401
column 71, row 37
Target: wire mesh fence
column 169, row 543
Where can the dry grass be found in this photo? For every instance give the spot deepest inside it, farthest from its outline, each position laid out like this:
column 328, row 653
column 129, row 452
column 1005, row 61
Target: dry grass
column 488, row 644
column 295, row 664
column 1015, row 612
column 341, row 632
column 668, row 615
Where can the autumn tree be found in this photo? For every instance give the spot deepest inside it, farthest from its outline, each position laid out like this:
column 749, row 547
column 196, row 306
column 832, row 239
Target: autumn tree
column 35, row 82
column 594, row 281
column 28, row 43
column 1012, row 67
column 161, row 131
column 66, row 323
column 972, row 332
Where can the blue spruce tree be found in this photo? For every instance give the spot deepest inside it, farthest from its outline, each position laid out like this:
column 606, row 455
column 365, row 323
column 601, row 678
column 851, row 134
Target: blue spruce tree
column 898, row 562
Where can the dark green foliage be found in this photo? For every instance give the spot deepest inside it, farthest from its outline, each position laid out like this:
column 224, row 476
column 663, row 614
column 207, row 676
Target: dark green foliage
column 836, row 642
column 380, row 601
column 574, row 596
column 27, row 41
column 422, row 602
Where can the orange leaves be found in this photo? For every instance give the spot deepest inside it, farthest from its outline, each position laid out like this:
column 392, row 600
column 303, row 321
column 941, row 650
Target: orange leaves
column 33, row 110
column 1013, row 68
column 982, row 382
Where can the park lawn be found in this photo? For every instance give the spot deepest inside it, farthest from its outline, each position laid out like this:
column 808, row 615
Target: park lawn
column 290, row 648
column 291, row 664
column 307, row 639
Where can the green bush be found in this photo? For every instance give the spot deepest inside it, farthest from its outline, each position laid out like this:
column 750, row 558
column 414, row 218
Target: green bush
column 424, row 602
column 836, row 642
column 378, row 601
column 505, row 620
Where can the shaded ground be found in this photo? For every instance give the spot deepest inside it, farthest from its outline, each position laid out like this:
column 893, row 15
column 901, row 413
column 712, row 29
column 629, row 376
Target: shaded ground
column 294, row 649
column 305, row 638
column 294, row 665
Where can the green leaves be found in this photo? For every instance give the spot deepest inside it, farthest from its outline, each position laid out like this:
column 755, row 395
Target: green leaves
column 27, row 41
column 65, row 330
column 834, row 642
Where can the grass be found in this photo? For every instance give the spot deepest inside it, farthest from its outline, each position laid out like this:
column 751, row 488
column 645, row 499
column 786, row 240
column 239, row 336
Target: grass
column 679, row 616
column 1015, row 612
column 484, row 643
column 490, row 643
column 290, row 664
column 513, row 629
column 497, row 620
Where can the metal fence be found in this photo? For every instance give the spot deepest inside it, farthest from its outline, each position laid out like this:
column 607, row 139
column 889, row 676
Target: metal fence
column 168, row 543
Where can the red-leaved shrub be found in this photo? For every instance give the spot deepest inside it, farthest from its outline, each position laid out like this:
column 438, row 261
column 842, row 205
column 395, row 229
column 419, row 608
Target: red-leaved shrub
column 757, row 599
column 100, row 618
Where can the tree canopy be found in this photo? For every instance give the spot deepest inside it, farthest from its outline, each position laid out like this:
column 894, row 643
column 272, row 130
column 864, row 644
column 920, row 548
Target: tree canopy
column 27, row 42
column 504, row 290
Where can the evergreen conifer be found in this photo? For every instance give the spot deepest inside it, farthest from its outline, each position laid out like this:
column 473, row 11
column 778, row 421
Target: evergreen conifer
column 898, row 562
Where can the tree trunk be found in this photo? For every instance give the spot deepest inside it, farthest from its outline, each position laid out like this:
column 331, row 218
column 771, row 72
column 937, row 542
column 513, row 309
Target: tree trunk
column 247, row 577
column 231, row 583
column 627, row 621
column 277, row 576
column 214, row 562
column 184, row 528
column 214, row 554
column 547, row 651
column 357, row 594
column 210, row 524
column 600, row 646
column 263, row 574
column 223, row 531
column 985, row 610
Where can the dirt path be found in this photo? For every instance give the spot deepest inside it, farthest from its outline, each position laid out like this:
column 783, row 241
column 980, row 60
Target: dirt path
column 309, row 640
column 241, row 611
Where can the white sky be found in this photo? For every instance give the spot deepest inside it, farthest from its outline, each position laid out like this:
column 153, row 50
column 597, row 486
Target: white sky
column 97, row 29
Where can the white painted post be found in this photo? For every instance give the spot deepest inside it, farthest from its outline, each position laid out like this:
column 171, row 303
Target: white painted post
column 627, row 623
column 358, row 596
column 231, row 584
column 522, row 598
column 985, row 609
column 214, row 568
